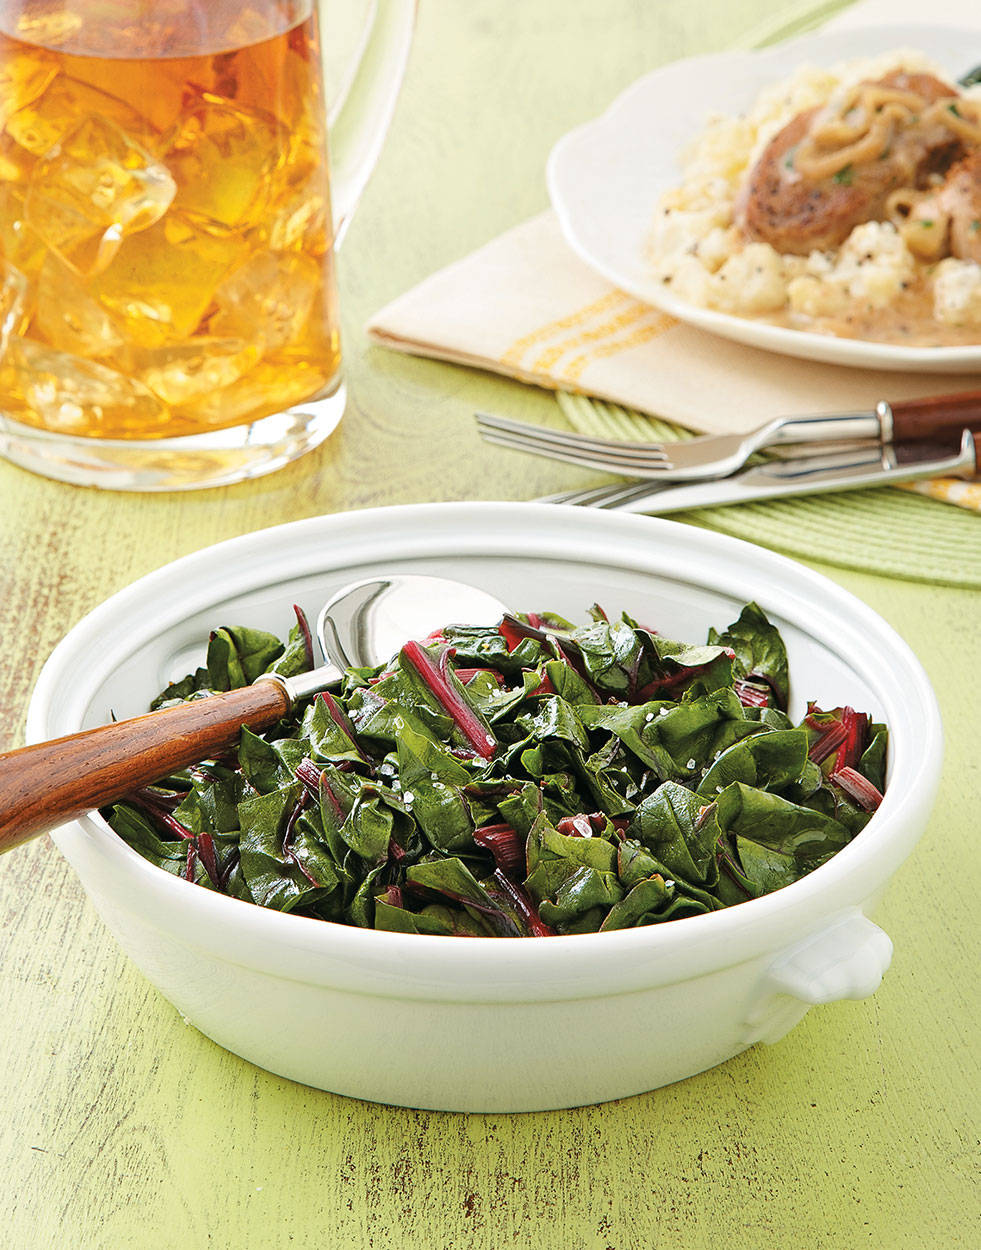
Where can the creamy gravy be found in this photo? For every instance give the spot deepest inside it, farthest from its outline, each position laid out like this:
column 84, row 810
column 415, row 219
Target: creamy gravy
column 907, row 322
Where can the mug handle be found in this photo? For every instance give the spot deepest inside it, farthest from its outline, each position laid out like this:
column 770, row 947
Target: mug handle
column 358, row 122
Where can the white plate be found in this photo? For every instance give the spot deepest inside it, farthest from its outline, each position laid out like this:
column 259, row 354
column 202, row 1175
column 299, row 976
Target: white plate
column 606, row 177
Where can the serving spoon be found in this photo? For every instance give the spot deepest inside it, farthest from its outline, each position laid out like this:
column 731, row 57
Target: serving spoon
column 362, row 625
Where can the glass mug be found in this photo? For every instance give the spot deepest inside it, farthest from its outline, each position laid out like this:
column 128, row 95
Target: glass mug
column 168, row 310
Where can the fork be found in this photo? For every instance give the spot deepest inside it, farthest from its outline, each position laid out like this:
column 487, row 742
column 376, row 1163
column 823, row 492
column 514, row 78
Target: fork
column 718, row 455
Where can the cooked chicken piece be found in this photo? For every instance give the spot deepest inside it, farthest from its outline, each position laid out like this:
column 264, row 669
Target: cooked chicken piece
column 926, row 86
column 833, row 167
column 922, row 221
column 947, row 220
column 961, row 198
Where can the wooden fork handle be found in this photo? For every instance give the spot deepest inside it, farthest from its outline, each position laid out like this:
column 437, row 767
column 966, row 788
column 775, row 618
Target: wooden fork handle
column 938, row 415
column 44, row 785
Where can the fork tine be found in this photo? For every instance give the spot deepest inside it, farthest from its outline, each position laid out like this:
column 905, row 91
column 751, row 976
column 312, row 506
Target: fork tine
column 593, row 495
column 544, row 433
column 600, row 496
column 630, row 461
column 604, row 461
column 539, row 434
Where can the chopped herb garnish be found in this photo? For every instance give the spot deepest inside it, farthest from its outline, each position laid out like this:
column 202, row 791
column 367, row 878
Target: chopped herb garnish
column 844, row 176
column 518, row 780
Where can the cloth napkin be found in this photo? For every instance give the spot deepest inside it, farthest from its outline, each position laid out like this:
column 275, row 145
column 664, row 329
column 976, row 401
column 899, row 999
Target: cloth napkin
column 524, row 305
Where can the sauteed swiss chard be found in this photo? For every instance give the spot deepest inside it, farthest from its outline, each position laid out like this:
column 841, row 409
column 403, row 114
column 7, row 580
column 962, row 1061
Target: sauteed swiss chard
column 526, row 779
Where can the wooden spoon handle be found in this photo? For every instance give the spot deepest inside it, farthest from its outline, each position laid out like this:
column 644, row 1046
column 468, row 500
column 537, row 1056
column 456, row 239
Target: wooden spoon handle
column 936, row 415
column 44, row 785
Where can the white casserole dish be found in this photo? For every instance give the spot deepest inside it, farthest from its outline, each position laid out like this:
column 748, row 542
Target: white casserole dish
column 491, row 1024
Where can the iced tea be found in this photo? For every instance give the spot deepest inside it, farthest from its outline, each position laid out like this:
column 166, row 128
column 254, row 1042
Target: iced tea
column 165, row 225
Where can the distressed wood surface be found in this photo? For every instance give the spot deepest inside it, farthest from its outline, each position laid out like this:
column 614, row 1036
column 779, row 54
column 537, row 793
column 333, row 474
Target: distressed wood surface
column 125, row 1128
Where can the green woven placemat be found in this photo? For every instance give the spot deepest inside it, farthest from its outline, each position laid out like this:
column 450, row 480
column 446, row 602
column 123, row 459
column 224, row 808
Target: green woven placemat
column 887, row 531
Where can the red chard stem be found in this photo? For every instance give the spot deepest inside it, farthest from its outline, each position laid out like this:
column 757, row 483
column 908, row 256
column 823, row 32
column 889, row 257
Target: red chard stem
column 438, row 683
column 858, row 788
column 523, row 905
column 504, row 844
column 304, row 625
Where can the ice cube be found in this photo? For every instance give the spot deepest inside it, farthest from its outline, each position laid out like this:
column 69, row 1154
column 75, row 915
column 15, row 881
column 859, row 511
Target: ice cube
column 263, row 390
column 318, row 339
column 292, row 88
column 23, row 78
column 38, row 126
column 250, row 26
column 163, row 280
column 48, row 29
column 68, row 316
column 223, row 157
column 92, row 190
column 147, row 91
column 198, row 367
column 16, row 165
column 18, row 242
column 59, row 392
column 268, row 298
column 13, row 303
column 299, row 219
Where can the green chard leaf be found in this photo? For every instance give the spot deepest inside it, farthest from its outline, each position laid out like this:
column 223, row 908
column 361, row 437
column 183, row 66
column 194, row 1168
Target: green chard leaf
column 774, row 822
column 567, row 875
column 522, row 807
column 873, row 761
column 138, row 830
column 273, row 877
column 769, row 761
column 297, row 656
column 555, row 719
column 262, row 763
column 445, row 921
column 452, row 878
column 370, row 825
column 331, row 733
column 568, row 684
column 237, row 656
column 432, row 782
column 611, row 654
column 765, row 868
column 680, row 832
column 195, row 685
column 584, row 889
column 759, row 650
column 211, row 805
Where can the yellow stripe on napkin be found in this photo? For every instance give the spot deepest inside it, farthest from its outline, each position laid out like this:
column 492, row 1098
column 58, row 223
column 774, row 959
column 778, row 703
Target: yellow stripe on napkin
column 591, row 328
column 571, row 321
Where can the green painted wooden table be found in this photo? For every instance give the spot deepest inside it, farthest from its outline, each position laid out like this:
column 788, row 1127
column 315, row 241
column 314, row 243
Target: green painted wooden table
column 124, row 1128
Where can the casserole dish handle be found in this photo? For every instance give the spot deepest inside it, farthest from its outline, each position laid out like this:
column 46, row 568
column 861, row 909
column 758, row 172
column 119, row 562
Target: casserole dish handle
column 845, row 960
